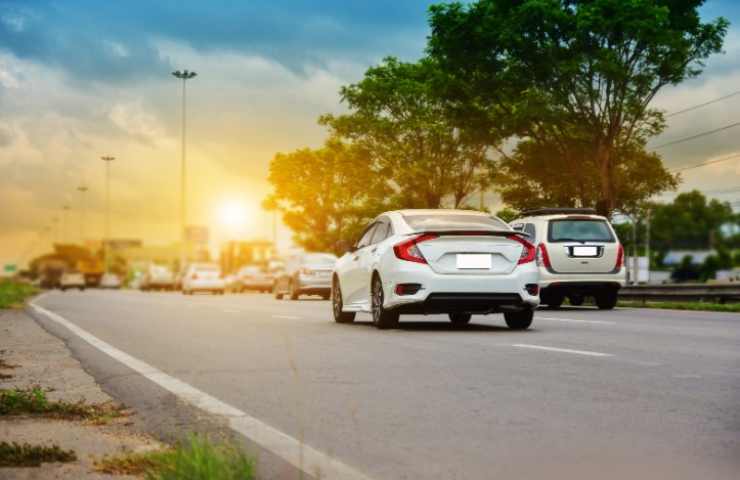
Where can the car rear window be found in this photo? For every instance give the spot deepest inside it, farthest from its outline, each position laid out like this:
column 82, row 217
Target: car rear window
column 425, row 221
column 579, row 230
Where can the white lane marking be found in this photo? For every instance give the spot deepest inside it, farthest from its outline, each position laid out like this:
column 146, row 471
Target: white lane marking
column 231, row 310
column 287, row 317
column 572, row 320
column 300, row 455
column 563, row 350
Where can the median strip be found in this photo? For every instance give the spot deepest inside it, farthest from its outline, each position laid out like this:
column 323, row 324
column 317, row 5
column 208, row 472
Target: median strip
column 562, row 350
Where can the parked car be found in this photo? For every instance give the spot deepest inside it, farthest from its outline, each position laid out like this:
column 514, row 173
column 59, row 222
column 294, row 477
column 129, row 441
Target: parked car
column 305, row 274
column 203, row 277
column 110, row 281
column 255, row 278
column 157, row 277
column 454, row 262
column 72, row 279
column 578, row 255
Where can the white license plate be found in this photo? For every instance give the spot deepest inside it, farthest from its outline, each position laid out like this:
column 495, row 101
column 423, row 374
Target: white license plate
column 585, row 251
column 474, row 261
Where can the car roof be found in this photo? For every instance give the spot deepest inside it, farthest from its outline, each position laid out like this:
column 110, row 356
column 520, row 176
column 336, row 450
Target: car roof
column 438, row 211
column 559, row 216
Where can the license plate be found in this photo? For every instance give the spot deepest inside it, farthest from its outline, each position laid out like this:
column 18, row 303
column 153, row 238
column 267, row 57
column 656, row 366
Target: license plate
column 474, row 261
column 585, row 251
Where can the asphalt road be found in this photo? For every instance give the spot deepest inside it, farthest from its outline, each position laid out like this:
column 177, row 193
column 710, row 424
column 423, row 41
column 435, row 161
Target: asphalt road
column 582, row 394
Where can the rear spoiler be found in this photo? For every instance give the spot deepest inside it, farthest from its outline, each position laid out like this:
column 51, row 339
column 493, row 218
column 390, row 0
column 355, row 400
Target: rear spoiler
column 490, row 233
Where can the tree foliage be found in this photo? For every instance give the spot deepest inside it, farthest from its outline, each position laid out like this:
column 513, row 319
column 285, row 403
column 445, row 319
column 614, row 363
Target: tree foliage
column 396, row 115
column 326, row 195
column 573, row 77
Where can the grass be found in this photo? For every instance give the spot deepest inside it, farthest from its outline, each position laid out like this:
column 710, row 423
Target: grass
column 698, row 306
column 26, row 455
column 195, row 459
column 13, row 294
column 34, row 401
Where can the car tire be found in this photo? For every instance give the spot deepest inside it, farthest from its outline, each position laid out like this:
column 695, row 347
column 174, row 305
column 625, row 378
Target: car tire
column 576, row 300
column 606, row 300
column 276, row 292
column 337, row 305
column 555, row 302
column 520, row 320
column 460, row 319
column 382, row 318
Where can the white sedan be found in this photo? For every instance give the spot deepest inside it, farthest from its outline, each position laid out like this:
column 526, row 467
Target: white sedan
column 454, row 262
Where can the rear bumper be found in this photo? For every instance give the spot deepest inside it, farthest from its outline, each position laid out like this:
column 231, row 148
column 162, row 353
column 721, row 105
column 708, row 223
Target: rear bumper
column 449, row 293
column 579, row 288
column 586, row 280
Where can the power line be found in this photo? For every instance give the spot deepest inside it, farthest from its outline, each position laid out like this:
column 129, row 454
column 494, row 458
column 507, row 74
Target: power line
column 688, row 109
column 698, row 135
column 705, row 163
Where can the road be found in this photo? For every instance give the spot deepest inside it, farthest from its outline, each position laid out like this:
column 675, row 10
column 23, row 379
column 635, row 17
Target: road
column 583, row 394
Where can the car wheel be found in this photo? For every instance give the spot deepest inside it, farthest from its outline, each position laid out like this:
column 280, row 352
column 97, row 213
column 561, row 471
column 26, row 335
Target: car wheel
column 337, row 306
column 555, row 301
column 293, row 293
column 82, row 289
column 382, row 318
column 606, row 300
column 576, row 300
column 460, row 318
column 278, row 295
column 520, row 320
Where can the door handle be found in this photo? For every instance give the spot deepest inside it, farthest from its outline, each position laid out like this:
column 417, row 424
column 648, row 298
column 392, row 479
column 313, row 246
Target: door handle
column 355, row 258
column 374, row 250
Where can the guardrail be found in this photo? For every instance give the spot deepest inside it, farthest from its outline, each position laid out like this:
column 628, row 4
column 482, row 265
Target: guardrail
column 693, row 292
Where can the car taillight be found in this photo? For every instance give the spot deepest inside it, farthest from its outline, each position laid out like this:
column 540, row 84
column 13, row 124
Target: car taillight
column 620, row 257
column 543, row 259
column 528, row 252
column 409, row 251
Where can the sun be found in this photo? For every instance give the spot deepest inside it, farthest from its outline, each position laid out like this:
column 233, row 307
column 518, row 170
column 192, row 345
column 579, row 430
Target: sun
column 233, row 215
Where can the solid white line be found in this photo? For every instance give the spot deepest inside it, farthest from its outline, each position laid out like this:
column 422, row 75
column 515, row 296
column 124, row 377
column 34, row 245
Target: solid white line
column 572, row 320
column 563, row 350
column 287, row 317
column 307, row 459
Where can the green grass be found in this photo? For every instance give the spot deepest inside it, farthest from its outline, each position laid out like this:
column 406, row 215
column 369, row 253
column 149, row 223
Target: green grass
column 697, row 306
column 13, row 294
column 33, row 401
column 195, row 459
column 25, row 455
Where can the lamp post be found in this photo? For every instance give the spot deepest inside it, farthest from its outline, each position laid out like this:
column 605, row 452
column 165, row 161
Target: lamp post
column 183, row 75
column 82, row 189
column 106, row 238
column 65, row 222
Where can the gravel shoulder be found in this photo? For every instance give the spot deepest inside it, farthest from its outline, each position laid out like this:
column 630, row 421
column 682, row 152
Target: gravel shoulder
column 33, row 357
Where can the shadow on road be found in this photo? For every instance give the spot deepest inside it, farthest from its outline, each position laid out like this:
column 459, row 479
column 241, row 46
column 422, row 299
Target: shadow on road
column 431, row 326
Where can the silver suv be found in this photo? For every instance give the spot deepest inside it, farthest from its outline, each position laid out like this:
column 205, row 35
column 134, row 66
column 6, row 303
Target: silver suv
column 578, row 255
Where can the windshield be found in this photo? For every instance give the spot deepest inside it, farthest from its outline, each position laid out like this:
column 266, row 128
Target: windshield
column 319, row 259
column 441, row 221
column 579, row 230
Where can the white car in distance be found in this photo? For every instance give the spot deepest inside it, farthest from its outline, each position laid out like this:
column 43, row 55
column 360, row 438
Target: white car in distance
column 454, row 262
column 203, row 277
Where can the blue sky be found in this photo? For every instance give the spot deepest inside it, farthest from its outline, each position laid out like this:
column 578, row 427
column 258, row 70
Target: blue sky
column 83, row 78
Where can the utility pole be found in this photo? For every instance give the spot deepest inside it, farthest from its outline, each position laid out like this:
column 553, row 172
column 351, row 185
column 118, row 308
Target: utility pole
column 65, row 222
column 184, row 75
column 106, row 239
column 82, row 189
column 647, row 240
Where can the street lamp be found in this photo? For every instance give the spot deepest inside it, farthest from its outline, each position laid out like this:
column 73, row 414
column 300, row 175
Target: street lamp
column 82, row 189
column 183, row 75
column 106, row 239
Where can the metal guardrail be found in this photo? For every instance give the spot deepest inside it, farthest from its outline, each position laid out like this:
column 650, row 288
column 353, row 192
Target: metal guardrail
column 695, row 292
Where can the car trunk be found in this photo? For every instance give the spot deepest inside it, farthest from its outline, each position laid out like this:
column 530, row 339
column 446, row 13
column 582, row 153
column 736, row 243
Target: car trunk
column 582, row 245
column 470, row 253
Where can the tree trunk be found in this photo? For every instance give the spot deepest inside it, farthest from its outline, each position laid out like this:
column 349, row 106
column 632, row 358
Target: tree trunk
column 606, row 171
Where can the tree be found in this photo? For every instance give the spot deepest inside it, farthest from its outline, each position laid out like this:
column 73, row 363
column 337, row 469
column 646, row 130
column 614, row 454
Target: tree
column 326, row 195
column 396, row 115
column 565, row 72
column 690, row 222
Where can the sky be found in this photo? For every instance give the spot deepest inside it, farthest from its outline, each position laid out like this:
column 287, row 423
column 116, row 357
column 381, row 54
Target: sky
column 80, row 79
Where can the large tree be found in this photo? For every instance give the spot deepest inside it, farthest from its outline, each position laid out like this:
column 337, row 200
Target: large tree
column 396, row 115
column 326, row 195
column 555, row 72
